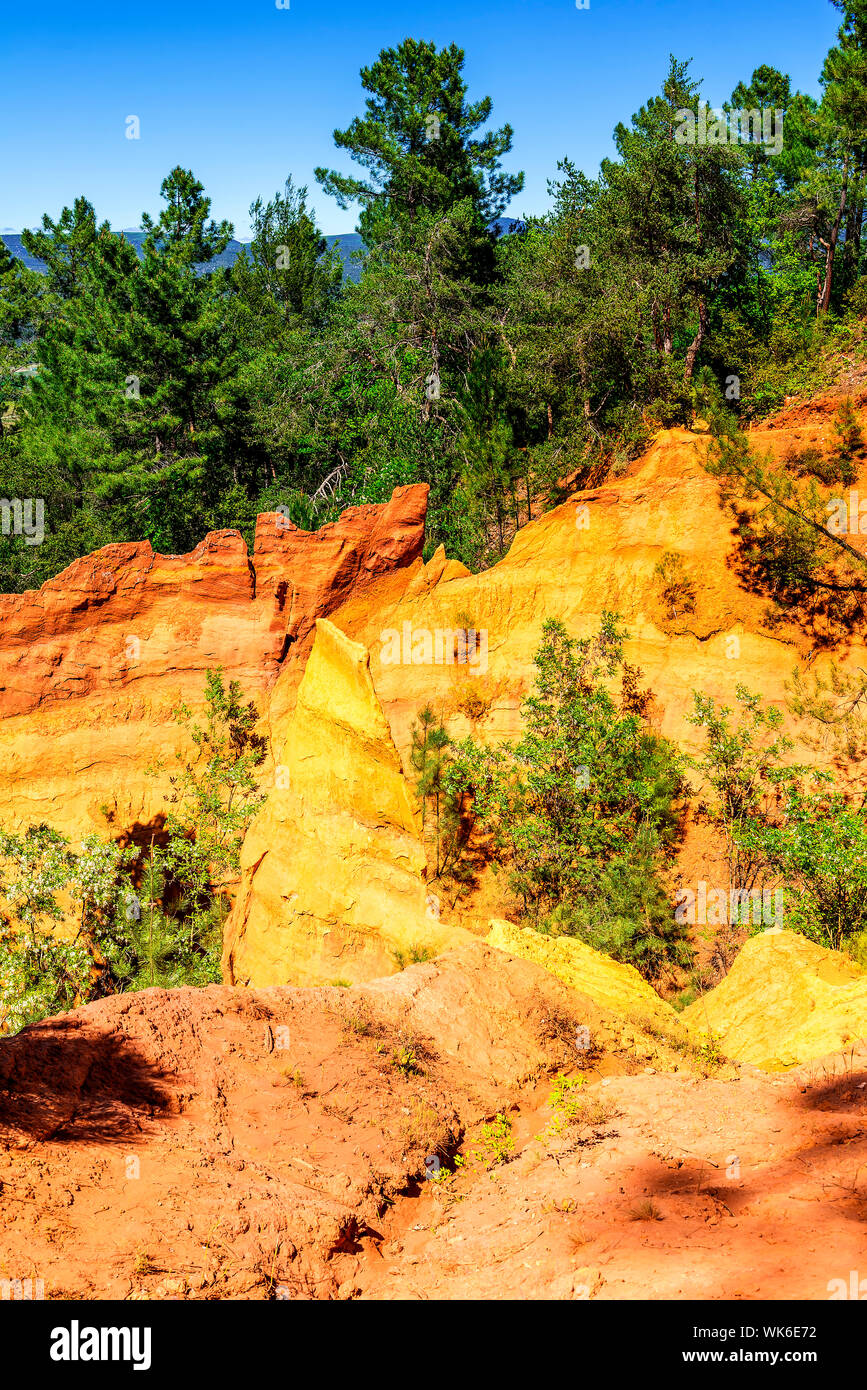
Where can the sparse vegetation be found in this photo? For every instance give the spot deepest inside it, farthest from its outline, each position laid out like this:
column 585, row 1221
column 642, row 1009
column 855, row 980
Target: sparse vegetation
column 293, row 1076
column 443, row 1183
column 676, row 587
column 645, row 1210
column 445, row 823
column 137, row 918
column 404, row 1060
column 572, row 1109
column 416, row 955
column 709, row 1052
column 793, row 546
column 783, row 822
column 848, row 440
column 583, row 809
column 743, row 769
column 495, row 1142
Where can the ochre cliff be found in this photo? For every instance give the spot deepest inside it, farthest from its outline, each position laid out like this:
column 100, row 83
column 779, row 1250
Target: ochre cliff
column 92, row 663
column 599, row 551
column 332, row 868
column 609, row 983
column 785, row 1001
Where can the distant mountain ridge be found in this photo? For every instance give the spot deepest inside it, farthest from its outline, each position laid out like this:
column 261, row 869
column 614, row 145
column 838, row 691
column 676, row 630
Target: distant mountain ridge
column 347, row 244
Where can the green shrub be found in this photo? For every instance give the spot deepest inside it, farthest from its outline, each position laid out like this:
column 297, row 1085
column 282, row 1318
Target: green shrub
column 168, row 931
column 496, row 1141
column 849, row 440
column 819, row 850
column 811, row 462
column 584, row 807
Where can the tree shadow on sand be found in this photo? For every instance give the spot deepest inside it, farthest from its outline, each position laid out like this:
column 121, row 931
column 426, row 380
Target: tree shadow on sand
column 68, row 1081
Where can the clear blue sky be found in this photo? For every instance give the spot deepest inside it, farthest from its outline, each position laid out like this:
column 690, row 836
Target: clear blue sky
column 245, row 93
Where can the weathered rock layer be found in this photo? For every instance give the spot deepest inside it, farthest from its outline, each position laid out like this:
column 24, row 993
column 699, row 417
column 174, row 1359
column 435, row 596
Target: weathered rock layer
column 92, row 663
column 332, row 868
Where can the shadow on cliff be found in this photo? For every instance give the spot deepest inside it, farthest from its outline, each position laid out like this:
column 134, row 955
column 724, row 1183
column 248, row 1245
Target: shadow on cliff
column 141, row 835
column 63, row 1081
column 828, row 607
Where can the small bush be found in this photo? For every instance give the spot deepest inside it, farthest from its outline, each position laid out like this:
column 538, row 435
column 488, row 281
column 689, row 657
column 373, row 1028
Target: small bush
column 404, row 1060
column 708, row 1051
column 646, row 1210
column 572, row 1109
column 496, row 1142
column 849, row 439
column 584, row 808
column 857, row 297
column 811, row 462
column 676, row 587
column 416, row 955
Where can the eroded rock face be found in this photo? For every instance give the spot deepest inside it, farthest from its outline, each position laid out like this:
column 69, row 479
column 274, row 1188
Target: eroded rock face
column 332, row 880
column 785, row 1001
column 274, row 1120
column 598, row 551
column 91, row 666
column 609, row 983
column 92, row 663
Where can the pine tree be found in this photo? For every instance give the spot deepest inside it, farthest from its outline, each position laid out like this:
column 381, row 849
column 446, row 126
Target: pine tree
column 129, row 408
column 183, row 228
column 662, row 221
column 288, row 276
column 430, row 758
column 66, row 246
column 417, row 141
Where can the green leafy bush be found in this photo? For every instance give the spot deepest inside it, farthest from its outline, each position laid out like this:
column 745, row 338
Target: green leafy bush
column 819, row 849
column 77, row 928
column 583, row 808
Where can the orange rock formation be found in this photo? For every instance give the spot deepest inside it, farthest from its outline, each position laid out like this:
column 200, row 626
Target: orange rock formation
column 92, row 663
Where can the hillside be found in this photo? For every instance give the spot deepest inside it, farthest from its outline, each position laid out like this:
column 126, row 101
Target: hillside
column 433, row 677
column 288, row 1129
column 263, row 1144
column 92, row 665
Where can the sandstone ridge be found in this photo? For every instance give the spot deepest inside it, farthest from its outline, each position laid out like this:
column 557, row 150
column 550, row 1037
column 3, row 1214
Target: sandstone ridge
column 92, row 663
column 333, row 867
column 785, row 1001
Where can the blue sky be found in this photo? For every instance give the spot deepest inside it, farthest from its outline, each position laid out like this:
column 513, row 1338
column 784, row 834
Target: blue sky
column 246, row 93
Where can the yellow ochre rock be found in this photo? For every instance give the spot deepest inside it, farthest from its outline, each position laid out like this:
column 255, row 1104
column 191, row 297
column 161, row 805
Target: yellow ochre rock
column 600, row 550
column 609, row 983
column 784, row 1001
column 332, row 883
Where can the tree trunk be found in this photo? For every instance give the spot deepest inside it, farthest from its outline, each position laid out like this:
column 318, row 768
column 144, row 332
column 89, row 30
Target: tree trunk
column 697, row 341
column 831, row 245
column 850, row 243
